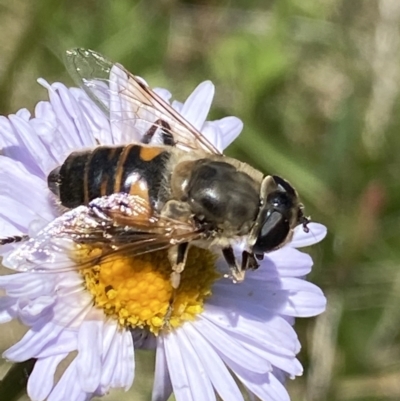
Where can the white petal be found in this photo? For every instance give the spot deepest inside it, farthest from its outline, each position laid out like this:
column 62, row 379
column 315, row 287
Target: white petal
column 64, row 343
column 25, row 114
column 230, row 348
column 213, row 135
column 32, row 343
column 163, row 93
column 29, row 139
column 304, row 299
column 182, row 362
column 316, row 233
column 27, row 200
column 88, row 360
column 32, row 311
column 177, row 369
column 219, row 375
column 200, row 379
column 230, row 127
column 266, row 387
column 273, row 332
column 127, row 360
column 41, row 380
column 68, row 387
column 177, row 106
column 287, row 262
column 118, row 366
column 77, row 121
column 28, row 285
column 7, row 309
column 74, row 137
column 261, row 339
column 109, row 356
column 98, row 124
column 162, row 386
column 198, row 104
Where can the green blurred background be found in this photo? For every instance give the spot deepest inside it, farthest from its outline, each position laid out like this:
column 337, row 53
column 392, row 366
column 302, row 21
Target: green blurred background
column 316, row 83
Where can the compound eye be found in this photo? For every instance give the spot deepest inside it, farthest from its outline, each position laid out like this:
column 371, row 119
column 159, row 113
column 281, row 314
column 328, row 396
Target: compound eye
column 273, row 233
column 280, row 199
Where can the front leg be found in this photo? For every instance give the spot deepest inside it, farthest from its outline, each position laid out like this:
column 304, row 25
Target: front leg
column 177, row 254
column 249, row 261
column 237, row 272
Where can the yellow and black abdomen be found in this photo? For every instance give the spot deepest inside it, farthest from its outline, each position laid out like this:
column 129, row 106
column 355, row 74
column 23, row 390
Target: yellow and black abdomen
column 102, row 171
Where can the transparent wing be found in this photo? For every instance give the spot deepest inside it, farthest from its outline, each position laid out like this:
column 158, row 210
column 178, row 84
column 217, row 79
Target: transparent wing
column 108, row 227
column 131, row 106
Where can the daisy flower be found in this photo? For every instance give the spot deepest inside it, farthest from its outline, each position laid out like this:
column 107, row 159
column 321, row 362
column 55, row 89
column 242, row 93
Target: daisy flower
column 220, row 333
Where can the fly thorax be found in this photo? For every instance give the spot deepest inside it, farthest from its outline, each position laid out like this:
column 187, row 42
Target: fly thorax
column 221, row 196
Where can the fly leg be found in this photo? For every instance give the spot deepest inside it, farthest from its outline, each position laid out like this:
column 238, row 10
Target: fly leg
column 177, row 253
column 249, row 261
column 237, row 271
column 167, row 137
column 177, row 256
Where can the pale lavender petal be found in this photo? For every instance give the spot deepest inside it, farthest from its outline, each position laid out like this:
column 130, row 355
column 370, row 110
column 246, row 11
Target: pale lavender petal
column 118, row 359
column 46, row 126
column 162, row 386
column 262, row 343
column 177, row 369
column 304, row 299
column 88, row 360
column 68, row 387
column 288, row 262
column 232, row 349
column 97, row 122
column 266, row 387
column 32, row 343
column 30, row 141
column 30, row 193
column 163, row 93
column 76, row 120
column 230, row 128
column 25, row 114
column 273, row 332
column 64, row 343
column 8, row 139
column 198, row 104
column 213, row 135
column 219, row 375
column 27, row 285
column 75, row 139
column 31, row 312
column 126, row 361
column 200, row 380
column 109, row 355
column 184, row 383
column 7, row 309
column 316, row 233
column 177, row 106
column 41, row 380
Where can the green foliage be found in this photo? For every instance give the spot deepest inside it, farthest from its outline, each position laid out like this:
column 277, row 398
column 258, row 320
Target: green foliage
column 317, row 86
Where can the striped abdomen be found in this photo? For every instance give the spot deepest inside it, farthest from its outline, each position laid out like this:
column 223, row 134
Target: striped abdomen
column 105, row 170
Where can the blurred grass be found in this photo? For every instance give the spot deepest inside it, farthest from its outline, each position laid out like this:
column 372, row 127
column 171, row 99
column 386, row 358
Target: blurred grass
column 316, row 83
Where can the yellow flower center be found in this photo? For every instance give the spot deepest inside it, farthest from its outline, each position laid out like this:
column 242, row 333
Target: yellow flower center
column 137, row 291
